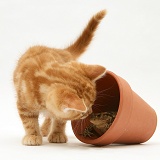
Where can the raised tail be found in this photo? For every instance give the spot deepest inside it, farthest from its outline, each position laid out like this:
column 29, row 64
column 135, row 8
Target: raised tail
column 83, row 41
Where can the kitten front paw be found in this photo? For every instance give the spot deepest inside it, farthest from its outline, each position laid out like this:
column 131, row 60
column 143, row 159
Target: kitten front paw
column 32, row 140
column 57, row 138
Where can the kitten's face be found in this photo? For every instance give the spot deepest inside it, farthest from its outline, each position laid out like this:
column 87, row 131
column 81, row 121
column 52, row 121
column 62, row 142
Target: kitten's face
column 69, row 103
column 73, row 99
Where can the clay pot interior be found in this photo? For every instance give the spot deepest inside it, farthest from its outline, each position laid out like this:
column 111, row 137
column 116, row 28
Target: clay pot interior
column 107, row 100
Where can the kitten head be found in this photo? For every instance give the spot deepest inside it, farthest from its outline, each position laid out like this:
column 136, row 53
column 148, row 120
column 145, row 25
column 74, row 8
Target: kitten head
column 73, row 96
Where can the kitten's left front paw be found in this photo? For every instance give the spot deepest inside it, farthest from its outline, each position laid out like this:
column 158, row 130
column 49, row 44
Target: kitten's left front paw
column 32, row 140
column 57, row 138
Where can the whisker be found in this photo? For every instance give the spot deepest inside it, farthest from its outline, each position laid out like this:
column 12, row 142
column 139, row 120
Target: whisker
column 85, row 122
column 98, row 106
column 99, row 109
column 104, row 96
column 76, row 126
column 95, row 105
column 81, row 126
column 106, row 89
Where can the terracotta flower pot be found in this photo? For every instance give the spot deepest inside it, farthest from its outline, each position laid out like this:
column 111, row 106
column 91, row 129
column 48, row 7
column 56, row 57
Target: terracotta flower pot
column 135, row 121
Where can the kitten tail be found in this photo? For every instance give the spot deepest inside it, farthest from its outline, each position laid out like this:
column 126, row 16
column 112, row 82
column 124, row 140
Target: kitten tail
column 83, row 41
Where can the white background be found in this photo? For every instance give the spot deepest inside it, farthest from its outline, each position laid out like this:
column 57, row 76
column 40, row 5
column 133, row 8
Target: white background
column 127, row 43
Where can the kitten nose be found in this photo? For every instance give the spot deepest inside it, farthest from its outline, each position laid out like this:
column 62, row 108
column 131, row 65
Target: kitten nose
column 86, row 114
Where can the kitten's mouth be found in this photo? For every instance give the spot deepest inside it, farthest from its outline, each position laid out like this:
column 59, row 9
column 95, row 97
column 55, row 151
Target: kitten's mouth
column 84, row 115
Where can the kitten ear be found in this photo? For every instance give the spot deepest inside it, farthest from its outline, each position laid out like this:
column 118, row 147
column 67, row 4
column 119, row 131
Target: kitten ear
column 94, row 72
column 73, row 103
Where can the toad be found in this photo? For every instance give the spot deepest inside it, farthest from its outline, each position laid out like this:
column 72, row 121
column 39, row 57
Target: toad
column 100, row 123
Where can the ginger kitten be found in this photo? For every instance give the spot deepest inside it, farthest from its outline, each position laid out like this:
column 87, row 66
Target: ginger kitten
column 50, row 80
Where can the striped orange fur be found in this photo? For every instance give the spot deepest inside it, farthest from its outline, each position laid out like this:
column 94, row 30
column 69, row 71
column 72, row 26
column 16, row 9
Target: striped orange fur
column 52, row 81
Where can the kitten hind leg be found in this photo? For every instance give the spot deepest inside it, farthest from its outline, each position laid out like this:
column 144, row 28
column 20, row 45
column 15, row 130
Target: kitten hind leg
column 57, row 133
column 31, row 126
column 45, row 128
